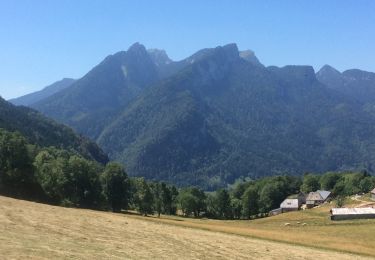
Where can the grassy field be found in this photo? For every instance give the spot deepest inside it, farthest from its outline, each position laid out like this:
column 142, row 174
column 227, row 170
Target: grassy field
column 38, row 231
column 311, row 228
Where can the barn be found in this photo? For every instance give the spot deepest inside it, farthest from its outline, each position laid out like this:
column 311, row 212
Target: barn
column 316, row 198
column 352, row 213
column 290, row 205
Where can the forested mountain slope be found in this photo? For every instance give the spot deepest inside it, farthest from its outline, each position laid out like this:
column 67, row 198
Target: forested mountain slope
column 91, row 102
column 45, row 132
column 215, row 116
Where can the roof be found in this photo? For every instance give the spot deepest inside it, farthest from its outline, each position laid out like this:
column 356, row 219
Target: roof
column 373, row 191
column 352, row 211
column 318, row 195
column 314, row 196
column 289, row 204
column 324, row 193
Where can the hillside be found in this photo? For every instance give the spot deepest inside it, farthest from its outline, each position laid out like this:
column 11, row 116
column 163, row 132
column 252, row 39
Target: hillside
column 39, row 231
column 34, row 97
column 44, row 132
column 214, row 117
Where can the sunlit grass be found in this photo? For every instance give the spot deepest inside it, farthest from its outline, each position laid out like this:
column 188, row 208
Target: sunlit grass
column 37, row 231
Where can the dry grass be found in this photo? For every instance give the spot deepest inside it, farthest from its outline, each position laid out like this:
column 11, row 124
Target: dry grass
column 312, row 228
column 40, row 231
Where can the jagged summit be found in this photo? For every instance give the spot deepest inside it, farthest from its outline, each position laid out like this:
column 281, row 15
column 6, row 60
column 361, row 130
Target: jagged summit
column 249, row 56
column 330, row 77
column 327, row 69
column 159, row 57
column 295, row 73
column 230, row 48
column 229, row 51
column 137, row 47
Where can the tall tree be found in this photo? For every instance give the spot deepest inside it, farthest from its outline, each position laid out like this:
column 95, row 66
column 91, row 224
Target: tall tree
column 84, row 182
column 310, row 183
column 157, row 193
column 168, row 197
column 51, row 174
column 250, row 200
column 187, row 203
column 192, row 201
column 329, row 180
column 144, row 198
column 223, row 204
column 16, row 172
column 115, row 186
column 270, row 197
column 236, row 206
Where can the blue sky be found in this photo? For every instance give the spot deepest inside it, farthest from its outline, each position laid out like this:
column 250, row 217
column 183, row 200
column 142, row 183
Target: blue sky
column 42, row 41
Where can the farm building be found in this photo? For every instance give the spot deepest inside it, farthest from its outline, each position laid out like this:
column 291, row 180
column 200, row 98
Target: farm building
column 373, row 194
column 352, row 213
column 290, row 205
column 300, row 196
column 316, row 198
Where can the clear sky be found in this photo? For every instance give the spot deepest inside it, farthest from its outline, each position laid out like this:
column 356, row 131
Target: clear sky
column 42, row 41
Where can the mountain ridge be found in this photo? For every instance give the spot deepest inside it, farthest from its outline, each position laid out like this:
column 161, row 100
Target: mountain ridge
column 215, row 116
column 34, row 97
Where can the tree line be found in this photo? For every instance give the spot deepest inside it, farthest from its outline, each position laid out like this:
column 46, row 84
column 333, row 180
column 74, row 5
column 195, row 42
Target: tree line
column 63, row 177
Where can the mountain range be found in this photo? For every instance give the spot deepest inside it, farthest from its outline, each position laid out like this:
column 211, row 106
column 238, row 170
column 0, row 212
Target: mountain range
column 219, row 115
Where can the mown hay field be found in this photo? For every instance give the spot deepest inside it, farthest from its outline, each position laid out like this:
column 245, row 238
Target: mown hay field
column 37, row 231
column 311, row 228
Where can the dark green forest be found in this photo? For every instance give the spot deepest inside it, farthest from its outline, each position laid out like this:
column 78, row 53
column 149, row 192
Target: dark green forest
column 61, row 177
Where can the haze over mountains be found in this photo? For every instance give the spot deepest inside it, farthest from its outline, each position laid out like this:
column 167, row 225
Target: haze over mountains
column 219, row 114
column 34, row 97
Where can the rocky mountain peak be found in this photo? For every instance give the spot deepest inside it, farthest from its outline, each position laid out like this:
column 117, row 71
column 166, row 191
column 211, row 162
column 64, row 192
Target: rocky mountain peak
column 249, row 56
column 159, row 57
column 327, row 70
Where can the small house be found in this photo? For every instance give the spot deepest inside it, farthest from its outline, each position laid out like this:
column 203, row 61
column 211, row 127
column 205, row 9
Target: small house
column 290, row 205
column 373, row 194
column 316, row 198
column 352, row 213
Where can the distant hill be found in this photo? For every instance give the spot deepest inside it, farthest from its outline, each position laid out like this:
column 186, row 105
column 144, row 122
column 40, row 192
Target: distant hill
column 32, row 98
column 356, row 84
column 45, row 132
column 214, row 117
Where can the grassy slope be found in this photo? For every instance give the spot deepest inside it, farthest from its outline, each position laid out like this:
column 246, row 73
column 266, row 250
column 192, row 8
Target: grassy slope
column 353, row 236
column 44, row 232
